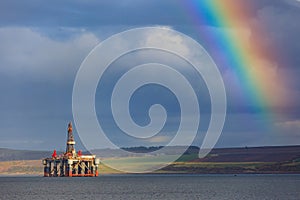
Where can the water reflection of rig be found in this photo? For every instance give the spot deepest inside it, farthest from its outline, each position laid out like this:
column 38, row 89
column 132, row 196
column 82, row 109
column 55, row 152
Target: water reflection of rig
column 70, row 163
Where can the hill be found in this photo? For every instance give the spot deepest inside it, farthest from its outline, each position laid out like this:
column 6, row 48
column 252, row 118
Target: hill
column 11, row 154
column 253, row 154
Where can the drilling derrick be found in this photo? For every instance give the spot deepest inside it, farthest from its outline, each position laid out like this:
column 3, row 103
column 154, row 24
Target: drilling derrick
column 70, row 150
column 70, row 163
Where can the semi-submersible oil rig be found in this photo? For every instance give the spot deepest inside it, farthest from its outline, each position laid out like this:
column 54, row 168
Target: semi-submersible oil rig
column 70, row 163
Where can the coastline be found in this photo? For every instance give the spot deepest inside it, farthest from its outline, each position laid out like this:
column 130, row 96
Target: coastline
column 250, row 160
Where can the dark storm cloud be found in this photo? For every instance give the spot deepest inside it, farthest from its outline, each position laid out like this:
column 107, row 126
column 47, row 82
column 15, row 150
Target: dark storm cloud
column 283, row 29
column 280, row 20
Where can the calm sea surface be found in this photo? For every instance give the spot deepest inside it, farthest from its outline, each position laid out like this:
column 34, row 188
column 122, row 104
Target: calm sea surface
column 153, row 187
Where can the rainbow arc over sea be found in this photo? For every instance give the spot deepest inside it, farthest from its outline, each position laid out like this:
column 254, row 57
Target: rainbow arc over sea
column 242, row 44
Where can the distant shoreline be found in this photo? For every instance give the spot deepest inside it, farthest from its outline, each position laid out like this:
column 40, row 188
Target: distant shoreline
column 248, row 160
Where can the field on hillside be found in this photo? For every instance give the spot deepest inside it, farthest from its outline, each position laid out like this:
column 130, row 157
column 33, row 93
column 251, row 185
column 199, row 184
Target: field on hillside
column 21, row 167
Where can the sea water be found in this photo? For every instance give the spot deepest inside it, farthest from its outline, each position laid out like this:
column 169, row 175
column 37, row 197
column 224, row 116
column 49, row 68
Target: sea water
column 153, row 187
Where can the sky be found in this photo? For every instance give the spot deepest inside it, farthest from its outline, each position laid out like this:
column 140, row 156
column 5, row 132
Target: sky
column 255, row 47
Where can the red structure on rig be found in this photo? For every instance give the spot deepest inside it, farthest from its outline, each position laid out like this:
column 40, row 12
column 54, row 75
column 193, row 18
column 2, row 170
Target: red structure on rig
column 71, row 163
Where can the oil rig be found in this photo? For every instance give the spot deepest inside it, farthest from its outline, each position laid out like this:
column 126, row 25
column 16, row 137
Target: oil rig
column 71, row 163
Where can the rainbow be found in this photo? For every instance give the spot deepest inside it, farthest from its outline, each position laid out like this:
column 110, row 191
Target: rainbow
column 241, row 43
